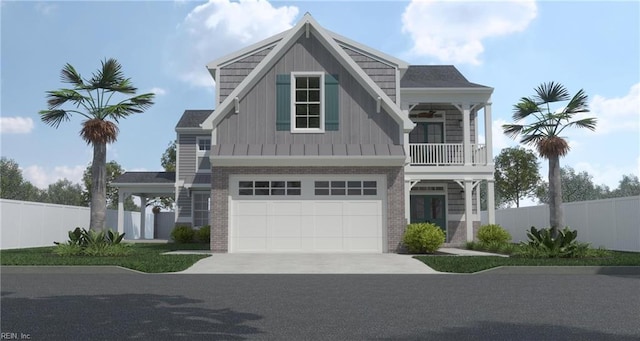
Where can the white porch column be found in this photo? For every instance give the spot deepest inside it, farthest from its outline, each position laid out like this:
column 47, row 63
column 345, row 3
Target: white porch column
column 143, row 213
column 407, row 200
column 121, row 196
column 488, row 131
column 468, row 208
column 491, row 202
column 466, row 133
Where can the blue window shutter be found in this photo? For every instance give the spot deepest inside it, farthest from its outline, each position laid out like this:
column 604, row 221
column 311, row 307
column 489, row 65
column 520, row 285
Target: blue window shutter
column 283, row 102
column 331, row 103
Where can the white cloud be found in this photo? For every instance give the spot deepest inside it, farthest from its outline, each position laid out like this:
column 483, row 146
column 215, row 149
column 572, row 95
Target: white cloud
column 618, row 113
column 158, row 91
column 42, row 177
column 16, row 125
column 453, row 31
column 219, row 27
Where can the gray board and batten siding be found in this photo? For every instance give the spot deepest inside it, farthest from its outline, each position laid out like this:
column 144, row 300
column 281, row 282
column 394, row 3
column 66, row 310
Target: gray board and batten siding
column 359, row 123
column 233, row 74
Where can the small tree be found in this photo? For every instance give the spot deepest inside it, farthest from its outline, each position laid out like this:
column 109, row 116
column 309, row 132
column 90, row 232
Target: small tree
column 168, row 159
column 544, row 133
column 516, row 174
column 91, row 99
column 65, row 192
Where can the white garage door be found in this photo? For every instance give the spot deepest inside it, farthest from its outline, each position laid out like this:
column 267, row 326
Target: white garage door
column 306, row 215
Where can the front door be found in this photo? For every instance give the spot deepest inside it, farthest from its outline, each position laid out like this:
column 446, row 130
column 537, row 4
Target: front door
column 428, row 208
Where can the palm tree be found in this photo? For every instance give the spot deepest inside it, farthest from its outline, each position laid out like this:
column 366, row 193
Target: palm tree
column 90, row 98
column 544, row 133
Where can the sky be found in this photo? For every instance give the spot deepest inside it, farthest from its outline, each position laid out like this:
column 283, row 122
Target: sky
column 512, row 46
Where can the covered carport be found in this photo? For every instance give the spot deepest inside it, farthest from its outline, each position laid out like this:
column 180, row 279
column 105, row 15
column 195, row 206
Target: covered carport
column 144, row 185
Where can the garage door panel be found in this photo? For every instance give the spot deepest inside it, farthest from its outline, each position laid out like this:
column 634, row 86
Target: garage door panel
column 284, row 226
column 328, row 226
column 324, row 208
column 252, row 207
column 287, row 208
column 284, row 244
column 365, row 208
column 249, row 226
column 362, row 226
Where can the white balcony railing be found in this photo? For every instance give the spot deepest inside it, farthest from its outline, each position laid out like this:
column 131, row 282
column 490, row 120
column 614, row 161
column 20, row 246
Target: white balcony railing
column 435, row 154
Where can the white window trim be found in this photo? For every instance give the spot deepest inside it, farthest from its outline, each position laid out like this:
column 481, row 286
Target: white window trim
column 193, row 209
column 202, row 153
column 293, row 103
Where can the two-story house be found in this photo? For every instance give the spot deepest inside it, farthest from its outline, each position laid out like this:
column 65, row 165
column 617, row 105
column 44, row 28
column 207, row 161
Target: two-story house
column 321, row 144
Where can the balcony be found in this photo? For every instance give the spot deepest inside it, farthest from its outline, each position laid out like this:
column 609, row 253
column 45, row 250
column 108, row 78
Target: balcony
column 445, row 154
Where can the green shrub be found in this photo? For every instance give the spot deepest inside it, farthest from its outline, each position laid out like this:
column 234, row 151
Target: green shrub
column 68, row 249
column 91, row 243
column 203, row 234
column 182, row 234
column 541, row 243
column 493, row 233
column 423, row 237
column 107, row 250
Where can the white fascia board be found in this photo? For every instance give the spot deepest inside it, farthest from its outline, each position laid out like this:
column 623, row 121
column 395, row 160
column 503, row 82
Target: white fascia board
column 244, row 52
column 369, row 51
column 304, row 161
column 194, row 130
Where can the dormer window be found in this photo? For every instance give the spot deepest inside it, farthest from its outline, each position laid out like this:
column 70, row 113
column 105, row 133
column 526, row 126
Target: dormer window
column 307, row 106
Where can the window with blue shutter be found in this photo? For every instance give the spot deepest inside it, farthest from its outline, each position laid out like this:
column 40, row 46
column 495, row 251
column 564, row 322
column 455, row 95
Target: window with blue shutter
column 331, row 103
column 283, row 102
column 314, row 95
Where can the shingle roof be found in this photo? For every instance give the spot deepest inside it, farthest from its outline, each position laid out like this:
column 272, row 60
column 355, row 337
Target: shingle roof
column 146, row 178
column 193, row 118
column 435, row 76
column 306, row 150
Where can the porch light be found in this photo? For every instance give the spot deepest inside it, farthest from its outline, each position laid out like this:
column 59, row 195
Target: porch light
column 460, row 123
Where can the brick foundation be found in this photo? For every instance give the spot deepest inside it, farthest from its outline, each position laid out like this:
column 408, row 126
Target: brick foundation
column 457, row 232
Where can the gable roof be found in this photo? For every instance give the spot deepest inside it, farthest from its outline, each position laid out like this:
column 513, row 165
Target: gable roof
column 193, row 118
column 435, row 76
column 308, row 24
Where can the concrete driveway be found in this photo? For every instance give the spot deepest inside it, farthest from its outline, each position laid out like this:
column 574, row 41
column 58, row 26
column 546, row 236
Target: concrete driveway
column 234, row 263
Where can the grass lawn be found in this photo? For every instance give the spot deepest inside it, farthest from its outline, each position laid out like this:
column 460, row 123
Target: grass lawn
column 470, row 264
column 145, row 257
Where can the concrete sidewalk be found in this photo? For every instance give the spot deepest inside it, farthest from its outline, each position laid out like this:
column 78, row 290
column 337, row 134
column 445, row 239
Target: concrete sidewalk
column 317, row 263
column 242, row 263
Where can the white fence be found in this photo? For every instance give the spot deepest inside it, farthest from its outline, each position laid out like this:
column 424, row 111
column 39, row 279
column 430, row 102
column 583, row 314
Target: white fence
column 610, row 223
column 34, row 224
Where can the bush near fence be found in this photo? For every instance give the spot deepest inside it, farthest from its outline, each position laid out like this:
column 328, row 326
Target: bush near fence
column 34, row 224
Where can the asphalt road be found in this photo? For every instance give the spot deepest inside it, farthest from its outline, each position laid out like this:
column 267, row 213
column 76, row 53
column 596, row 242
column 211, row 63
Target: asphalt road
column 115, row 304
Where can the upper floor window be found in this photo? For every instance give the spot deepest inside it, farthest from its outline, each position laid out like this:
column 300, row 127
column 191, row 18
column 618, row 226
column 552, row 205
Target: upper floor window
column 307, row 104
column 203, row 144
